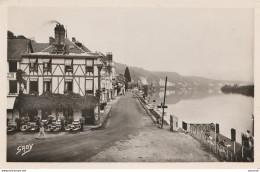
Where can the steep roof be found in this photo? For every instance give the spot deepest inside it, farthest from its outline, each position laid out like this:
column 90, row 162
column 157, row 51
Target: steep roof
column 85, row 48
column 73, row 48
column 17, row 47
column 38, row 47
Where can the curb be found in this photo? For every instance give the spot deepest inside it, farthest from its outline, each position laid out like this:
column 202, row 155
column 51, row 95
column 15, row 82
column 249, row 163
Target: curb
column 106, row 118
column 104, row 122
column 146, row 110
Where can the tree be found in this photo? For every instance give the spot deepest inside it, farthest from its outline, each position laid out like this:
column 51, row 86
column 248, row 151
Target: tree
column 21, row 37
column 127, row 76
column 19, row 102
column 10, row 35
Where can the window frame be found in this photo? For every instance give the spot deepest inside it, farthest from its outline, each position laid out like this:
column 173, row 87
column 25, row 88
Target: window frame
column 15, row 90
column 67, row 67
column 35, row 67
column 50, row 86
column 49, row 66
column 30, row 89
column 66, row 86
column 12, row 62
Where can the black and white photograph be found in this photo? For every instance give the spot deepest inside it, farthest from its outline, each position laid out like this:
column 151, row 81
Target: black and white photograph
column 129, row 84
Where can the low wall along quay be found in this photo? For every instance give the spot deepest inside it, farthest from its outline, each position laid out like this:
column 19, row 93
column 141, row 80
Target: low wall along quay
column 207, row 134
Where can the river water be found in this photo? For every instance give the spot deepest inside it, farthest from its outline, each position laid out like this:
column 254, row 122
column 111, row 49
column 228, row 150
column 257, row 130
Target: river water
column 210, row 106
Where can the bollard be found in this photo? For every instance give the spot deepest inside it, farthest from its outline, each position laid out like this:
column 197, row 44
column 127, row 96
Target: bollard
column 171, row 123
column 233, row 138
column 184, row 125
column 217, row 128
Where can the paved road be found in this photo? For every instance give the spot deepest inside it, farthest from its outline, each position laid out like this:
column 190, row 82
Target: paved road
column 129, row 136
column 126, row 119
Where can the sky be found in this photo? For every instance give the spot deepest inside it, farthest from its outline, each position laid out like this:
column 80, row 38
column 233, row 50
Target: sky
column 216, row 43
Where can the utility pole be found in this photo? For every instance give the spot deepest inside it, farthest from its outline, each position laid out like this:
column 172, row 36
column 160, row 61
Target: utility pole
column 253, row 126
column 99, row 66
column 164, row 101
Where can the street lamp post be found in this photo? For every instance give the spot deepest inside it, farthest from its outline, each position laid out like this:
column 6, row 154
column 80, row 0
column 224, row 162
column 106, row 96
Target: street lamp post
column 163, row 105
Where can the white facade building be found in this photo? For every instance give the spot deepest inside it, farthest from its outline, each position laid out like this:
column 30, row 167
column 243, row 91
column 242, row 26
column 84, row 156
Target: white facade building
column 61, row 67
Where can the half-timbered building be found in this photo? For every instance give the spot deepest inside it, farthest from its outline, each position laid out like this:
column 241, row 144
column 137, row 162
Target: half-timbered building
column 62, row 67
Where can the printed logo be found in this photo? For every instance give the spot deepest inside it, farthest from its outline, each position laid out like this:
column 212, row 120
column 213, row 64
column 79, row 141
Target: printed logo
column 24, row 149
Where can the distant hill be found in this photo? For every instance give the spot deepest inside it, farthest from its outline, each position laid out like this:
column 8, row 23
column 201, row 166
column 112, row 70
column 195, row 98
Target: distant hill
column 174, row 79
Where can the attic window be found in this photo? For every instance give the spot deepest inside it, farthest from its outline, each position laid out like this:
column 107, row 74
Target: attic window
column 71, row 47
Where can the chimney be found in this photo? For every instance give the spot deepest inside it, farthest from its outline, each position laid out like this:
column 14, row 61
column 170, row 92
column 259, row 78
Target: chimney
column 59, row 43
column 73, row 39
column 51, row 40
column 110, row 56
column 59, row 34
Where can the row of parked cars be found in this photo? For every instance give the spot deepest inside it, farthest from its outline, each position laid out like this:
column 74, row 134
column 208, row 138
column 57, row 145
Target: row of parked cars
column 24, row 124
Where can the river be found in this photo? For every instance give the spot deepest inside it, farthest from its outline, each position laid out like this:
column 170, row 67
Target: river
column 210, row 106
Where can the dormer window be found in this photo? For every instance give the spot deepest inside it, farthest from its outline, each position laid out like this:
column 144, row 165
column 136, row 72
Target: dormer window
column 33, row 65
column 89, row 67
column 46, row 65
column 68, row 65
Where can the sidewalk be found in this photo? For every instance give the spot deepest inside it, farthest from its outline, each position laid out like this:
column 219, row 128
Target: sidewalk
column 24, row 137
column 104, row 115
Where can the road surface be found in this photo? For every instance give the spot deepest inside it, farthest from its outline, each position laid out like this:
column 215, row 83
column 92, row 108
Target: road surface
column 129, row 136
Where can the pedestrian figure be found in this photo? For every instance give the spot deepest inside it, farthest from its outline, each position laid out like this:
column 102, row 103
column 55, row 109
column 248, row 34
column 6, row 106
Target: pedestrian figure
column 210, row 143
column 41, row 133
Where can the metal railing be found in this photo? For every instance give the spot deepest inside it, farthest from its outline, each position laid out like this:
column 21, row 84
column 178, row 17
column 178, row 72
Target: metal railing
column 231, row 151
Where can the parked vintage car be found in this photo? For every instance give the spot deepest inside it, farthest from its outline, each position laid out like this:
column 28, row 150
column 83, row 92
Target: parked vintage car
column 74, row 126
column 29, row 126
column 12, row 126
column 53, row 126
